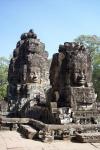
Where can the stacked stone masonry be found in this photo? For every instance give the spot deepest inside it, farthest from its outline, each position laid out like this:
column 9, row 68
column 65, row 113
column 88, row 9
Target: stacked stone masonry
column 28, row 71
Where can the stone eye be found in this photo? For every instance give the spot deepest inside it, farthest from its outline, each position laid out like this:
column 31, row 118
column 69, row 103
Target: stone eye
column 84, row 71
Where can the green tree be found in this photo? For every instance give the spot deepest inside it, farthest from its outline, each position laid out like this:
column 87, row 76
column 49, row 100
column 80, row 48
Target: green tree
column 96, row 74
column 3, row 76
column 92, row 42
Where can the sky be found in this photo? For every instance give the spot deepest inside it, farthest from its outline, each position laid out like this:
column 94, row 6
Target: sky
column 54, row 21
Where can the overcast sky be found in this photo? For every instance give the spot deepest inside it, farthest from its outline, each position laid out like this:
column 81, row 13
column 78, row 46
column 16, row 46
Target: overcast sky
column 54, row 21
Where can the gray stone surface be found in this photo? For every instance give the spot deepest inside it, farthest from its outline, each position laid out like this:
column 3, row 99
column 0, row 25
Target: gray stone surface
column 71, row 77
column 11, row 140
column 28, row 71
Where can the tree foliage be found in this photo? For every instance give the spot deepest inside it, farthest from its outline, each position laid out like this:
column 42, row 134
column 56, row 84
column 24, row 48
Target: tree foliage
column 96, row 74
column 93, row 44
column 3, row 76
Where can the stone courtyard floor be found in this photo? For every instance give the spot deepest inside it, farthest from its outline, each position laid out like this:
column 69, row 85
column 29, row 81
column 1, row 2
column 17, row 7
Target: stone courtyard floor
column 12, row 140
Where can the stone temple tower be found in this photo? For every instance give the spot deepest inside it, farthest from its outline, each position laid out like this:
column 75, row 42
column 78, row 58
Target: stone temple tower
column 71, row 77
column 28, row 71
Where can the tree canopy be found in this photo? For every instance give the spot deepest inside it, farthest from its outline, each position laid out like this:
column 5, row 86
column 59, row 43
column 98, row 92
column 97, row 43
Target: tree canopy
column 3, row 76
column 96, row 74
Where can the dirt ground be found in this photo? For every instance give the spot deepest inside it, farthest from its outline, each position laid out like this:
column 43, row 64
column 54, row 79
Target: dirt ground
column 12, row 140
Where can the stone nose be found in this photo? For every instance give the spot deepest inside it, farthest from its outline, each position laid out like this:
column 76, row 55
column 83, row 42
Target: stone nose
column 34, row 75
column 82, row 75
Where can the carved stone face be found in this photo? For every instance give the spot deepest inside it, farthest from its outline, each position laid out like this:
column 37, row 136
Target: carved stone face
column 79, row 77
column 34, row 75
column 61, row 56
column 32, row 46
column 79, row 69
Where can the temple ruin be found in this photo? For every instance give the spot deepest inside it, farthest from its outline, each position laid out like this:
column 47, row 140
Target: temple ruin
column 28, row 71
column 56, row 101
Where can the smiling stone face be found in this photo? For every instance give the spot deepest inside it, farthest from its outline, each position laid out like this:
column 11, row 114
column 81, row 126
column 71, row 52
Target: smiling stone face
column 80, row 77
column 79, row 69
column 79, row 74
column 34, row 75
